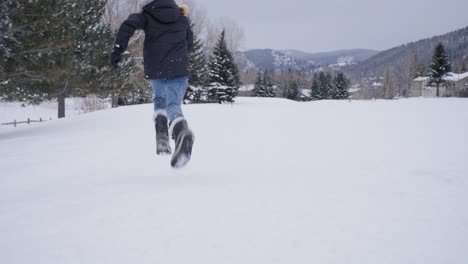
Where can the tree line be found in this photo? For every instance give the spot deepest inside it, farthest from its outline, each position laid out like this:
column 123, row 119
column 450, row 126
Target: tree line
column 215, row 81
column 302, row 86
column 54, row 49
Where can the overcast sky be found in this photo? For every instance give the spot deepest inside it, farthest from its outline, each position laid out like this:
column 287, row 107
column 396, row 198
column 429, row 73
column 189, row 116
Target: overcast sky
column 326, row 25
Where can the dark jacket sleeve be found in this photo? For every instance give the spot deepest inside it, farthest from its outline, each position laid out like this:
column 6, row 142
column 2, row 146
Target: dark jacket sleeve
column 127, row 29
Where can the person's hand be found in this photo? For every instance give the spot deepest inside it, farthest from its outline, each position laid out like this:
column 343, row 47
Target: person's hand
column 116, row 57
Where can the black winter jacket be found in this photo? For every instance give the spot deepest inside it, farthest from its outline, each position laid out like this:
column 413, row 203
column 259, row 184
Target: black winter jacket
column 168, row 39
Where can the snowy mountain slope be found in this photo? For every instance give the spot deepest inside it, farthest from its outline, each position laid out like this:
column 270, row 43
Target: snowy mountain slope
column 267, row 59
column 299, row 60
column 271, row 181
column 332, row 57
column 455, row 43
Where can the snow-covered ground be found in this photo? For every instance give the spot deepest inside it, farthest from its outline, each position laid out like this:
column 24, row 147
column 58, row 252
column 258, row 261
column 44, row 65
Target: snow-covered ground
column 10, row 111
column 271, row 181
column 247, row 88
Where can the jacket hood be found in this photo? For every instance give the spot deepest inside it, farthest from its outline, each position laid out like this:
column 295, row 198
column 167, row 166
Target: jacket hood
column 165, row 11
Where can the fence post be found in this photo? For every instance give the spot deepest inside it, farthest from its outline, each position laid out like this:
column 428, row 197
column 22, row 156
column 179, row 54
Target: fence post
column 14, row 123
column 40, row 120
column 29, row 120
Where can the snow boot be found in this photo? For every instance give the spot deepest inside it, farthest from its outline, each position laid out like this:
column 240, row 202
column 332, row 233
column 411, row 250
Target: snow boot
column 163, row 146
column 184, row 140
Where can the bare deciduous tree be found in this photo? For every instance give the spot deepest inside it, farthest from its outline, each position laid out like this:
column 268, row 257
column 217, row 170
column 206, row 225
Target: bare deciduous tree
column 234, row 34
column 389, row 84
column 118, row 10
column 198, row 17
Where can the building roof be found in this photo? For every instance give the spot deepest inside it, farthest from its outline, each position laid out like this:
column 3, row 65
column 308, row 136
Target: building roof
column 306, row 92
column 452, row 77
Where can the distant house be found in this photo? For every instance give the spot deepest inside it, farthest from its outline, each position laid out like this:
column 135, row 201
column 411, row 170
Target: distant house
column 458, row 84
column 305, row 95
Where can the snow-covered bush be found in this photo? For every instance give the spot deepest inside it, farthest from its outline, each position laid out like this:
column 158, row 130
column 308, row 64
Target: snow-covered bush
column 93, row 103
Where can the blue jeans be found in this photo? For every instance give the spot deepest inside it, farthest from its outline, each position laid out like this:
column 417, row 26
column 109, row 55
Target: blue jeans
column 168, row 95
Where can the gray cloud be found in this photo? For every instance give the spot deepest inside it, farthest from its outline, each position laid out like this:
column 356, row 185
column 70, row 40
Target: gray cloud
column 339, row 24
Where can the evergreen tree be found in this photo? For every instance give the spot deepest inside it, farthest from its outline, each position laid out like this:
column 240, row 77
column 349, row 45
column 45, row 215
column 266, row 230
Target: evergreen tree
column 94, row 44
column 315, row 92
column 439, row 68
column 57, row 48
column 5, row 32
column 127, row 85
column 334, row 92
column 24, row 49
column 198, row 65
column 198, row 78
column 121, row 85
column 292, row 90
column 264, row 85
column 324, row 81
column 223, row 73
column 260, row 89
column 340, row 87
column 268, row 84
column 289, row 86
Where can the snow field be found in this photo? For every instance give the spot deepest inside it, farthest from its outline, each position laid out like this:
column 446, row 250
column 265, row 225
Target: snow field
column 271, row 181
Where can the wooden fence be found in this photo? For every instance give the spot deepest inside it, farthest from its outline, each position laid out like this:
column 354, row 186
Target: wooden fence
column 29, row 121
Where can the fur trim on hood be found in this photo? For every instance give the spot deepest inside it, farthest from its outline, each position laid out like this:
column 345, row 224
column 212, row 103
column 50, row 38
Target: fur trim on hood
column 185, row 9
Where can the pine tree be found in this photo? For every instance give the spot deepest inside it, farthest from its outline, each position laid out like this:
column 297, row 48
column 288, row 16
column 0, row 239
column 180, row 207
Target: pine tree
column 264, row 85
column 292, row 90
column 268, row 84
column 198, row 65
column 223, row 73
column 24, row 49
column 5, row 18
column 260, row 89
column 97, row 75
column 198, row 78
column 340, row 87
column 58, row 48
column 324, row 85
column 334, row 92
column 315, row 92
column 439, row 68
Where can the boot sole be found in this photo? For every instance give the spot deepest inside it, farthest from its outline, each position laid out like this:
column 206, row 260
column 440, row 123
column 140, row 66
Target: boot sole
column 163, row 150
column 183, row 153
